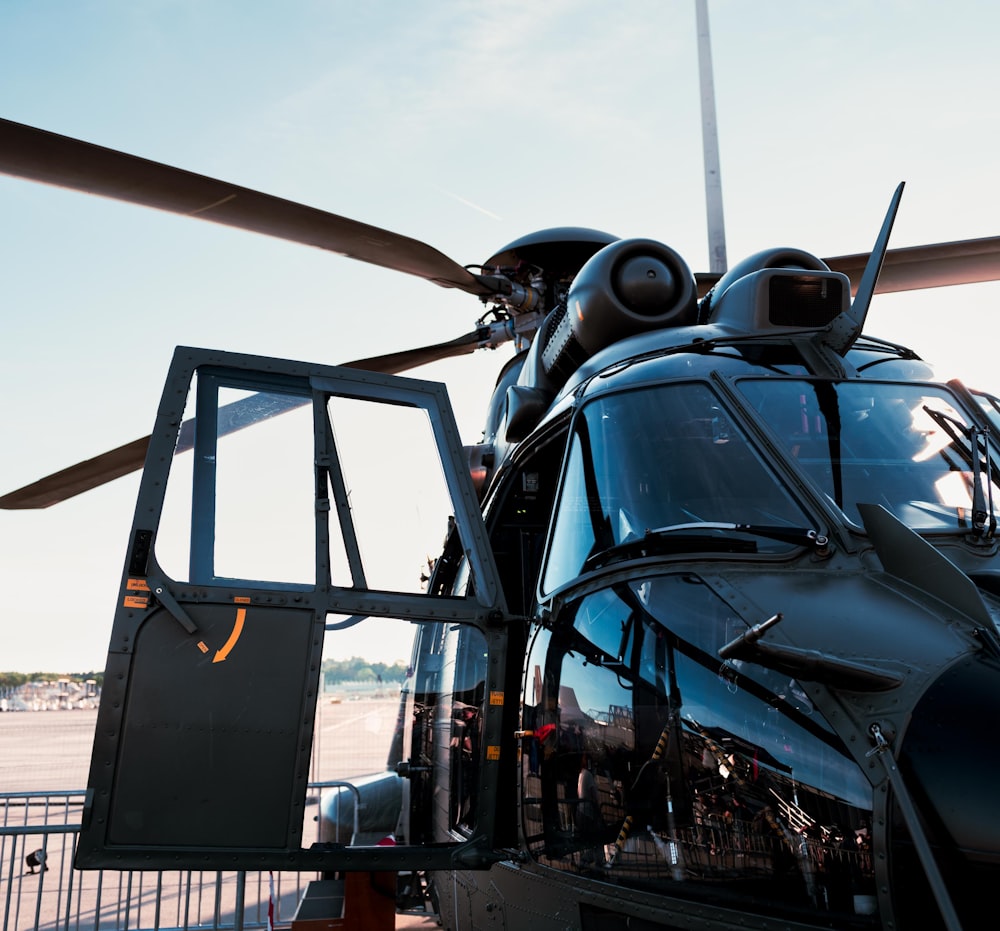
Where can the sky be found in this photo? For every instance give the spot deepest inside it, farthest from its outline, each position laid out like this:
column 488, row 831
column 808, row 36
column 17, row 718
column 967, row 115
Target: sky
column 459, row 123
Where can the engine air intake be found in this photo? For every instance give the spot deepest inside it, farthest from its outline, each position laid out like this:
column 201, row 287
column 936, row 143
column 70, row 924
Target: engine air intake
column 804, row 300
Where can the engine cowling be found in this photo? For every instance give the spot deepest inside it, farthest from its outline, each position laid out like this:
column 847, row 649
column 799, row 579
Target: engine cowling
column 628, row 287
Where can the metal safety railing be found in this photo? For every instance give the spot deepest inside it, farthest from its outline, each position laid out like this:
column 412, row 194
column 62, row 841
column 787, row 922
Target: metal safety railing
column 40, row 890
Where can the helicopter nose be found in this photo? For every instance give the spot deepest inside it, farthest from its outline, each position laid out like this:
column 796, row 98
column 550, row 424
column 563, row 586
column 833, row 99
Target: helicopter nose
column 950, row 759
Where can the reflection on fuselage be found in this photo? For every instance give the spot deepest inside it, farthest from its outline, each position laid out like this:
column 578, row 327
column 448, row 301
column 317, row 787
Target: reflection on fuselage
column 651, row 770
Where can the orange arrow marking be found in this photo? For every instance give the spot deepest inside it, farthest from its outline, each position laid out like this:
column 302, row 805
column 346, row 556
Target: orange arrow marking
column 220, row 656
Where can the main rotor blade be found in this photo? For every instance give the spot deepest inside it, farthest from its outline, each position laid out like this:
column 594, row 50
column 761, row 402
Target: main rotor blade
column 966, row 261
column 940, row 265
column 123, row 460
column 37, row 155
column 395, row 362
column 78, row 478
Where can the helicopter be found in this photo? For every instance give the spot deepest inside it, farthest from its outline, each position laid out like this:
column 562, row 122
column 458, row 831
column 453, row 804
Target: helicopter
column 712, row 636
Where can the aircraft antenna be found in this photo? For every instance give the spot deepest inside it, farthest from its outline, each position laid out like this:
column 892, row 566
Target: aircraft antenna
column 717, row 263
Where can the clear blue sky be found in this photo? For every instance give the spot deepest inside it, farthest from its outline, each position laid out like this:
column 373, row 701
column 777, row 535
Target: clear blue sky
column 465, row 124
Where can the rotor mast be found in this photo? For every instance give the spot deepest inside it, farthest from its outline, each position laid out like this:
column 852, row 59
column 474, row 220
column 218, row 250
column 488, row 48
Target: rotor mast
column 710, row 144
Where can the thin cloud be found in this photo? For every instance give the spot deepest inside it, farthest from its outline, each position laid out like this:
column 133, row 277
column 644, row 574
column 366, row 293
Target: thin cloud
column 469, row 203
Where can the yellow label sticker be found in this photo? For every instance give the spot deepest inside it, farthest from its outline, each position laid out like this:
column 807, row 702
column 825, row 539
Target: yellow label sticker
column 496, row 698
column 137, row 585
column 493, row 753
column 136, row 601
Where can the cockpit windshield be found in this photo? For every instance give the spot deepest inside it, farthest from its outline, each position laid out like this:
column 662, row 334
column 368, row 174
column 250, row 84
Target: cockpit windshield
column 907, row 447
column 667, row 469
column 665, row 466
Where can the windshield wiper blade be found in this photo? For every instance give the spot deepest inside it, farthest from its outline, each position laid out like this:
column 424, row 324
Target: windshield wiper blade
column 800, row 536
column 661, row 540
column 807, row 665
column 983, row 513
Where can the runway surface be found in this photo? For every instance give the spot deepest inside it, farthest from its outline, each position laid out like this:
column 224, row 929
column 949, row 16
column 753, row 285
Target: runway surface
column 49, row 751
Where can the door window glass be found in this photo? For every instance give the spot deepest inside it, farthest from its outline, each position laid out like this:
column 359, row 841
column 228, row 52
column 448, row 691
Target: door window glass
column 240, row 498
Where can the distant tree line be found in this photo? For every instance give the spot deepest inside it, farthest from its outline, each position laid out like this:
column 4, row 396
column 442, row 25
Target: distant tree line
column 14, row 679
column 357, row 669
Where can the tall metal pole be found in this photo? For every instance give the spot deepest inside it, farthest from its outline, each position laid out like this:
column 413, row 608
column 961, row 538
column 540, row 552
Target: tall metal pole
column 717, row 261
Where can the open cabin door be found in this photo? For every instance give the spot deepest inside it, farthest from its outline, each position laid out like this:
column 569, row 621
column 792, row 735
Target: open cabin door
column 262, row 530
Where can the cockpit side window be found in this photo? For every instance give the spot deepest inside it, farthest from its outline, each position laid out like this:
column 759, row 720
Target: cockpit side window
column 653, row 766
column 518, row 526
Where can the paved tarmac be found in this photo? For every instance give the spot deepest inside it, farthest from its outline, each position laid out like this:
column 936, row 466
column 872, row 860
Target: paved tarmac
column 49, row 751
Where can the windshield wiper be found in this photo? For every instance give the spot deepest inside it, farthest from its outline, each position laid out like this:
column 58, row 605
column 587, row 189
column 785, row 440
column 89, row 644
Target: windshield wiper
column 661, row 540
column 981, row 511
column 807, row 665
